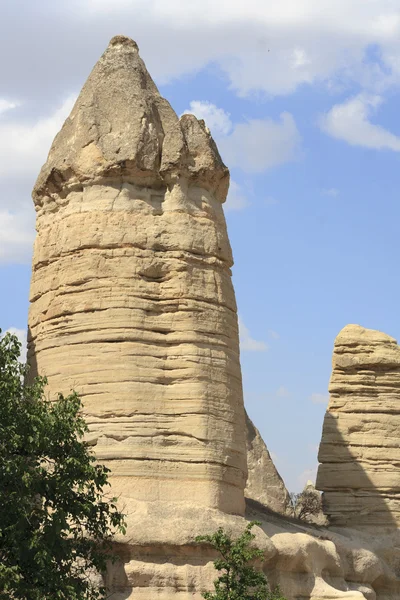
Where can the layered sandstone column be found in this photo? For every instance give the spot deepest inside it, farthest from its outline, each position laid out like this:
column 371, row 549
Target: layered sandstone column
column 132, row 303
column 360, row 447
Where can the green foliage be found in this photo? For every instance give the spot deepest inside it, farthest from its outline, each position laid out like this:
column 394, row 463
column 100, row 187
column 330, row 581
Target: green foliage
column 240, row 580
column 307, row 504
column 55, row 523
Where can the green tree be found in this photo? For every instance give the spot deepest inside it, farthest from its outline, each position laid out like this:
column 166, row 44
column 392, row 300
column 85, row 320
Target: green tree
column 55, row 523
column 240, row 580
column 307, row 504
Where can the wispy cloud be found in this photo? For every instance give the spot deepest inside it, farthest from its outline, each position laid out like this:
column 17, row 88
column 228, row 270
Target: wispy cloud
column 333, row 192
column 271, row 201
column 275, row 457
column 7, row 105
column 261, row 144
column 247, row 342
column 313, row 448
column 237, row 199
column 23, row 149
column 270, row 47
column 282, row 392
column 319, row 398
column 351, row 123
column 309, row 474
column 17, row 232
column 273, row 334
column 255, row 145
column 216, row 119
column 24, row 146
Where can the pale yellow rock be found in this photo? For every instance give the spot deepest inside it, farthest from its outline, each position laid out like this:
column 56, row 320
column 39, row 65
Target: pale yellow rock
column 264, row 484
column 132, row 305
column 132, row 302
column 318, row 563
column 360, row 446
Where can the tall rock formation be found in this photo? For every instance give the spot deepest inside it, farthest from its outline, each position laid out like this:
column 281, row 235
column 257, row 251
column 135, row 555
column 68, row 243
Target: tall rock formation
column 360, row 446
column 132, row 306
column 132, row 303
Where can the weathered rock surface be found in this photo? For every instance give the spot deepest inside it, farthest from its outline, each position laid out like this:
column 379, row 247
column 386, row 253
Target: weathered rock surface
column 132, row 303
column 307, row 562
column 360, row 446
column 264, row 484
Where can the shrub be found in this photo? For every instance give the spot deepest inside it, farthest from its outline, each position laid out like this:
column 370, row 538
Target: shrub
column 240, row 580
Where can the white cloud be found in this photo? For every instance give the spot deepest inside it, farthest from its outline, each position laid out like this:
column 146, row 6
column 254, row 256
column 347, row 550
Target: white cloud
column 247, row 343
column 351, row 123
column 260, row 144
column 265, row 45
column 271, row 201
column 313, row 448
column 236, row 199
column 216, row 119
column 253, row 146
column 24, row 146
column 23, row 149
column 282, row 392
column 299, row 58
column 319, row 398
column 273, row 334
column 22, row 337
column 6, row 105
column 333, row 192
column 17, row 232
column 274, row 457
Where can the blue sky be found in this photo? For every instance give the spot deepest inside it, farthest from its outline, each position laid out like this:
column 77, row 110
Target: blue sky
column 302, row 98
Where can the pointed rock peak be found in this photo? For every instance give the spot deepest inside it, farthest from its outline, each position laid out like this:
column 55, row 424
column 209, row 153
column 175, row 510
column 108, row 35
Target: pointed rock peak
column 123, row 40
column 122, row 129
column 310, row 486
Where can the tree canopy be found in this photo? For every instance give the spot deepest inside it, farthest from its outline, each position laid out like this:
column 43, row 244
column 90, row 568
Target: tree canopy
column 56, row 524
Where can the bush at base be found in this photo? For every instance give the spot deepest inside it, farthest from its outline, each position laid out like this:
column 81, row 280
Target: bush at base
column 240, row 580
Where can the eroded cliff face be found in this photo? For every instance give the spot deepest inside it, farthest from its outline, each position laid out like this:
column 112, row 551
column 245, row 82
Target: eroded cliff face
column 132, row 305
column 359, row 474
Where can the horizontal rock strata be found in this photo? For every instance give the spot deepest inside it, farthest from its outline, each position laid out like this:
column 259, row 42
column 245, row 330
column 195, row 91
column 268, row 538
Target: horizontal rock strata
column 307, row 562
column 132, row 303
column 360, row 445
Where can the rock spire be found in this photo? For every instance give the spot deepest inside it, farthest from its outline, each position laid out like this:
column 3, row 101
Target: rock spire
column 132, row 303
column 121, row 129
column 359, row 474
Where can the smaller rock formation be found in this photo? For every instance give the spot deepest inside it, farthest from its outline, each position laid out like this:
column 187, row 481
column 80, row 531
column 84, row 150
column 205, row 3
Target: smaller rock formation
column 264, row 484
column 360, row 446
